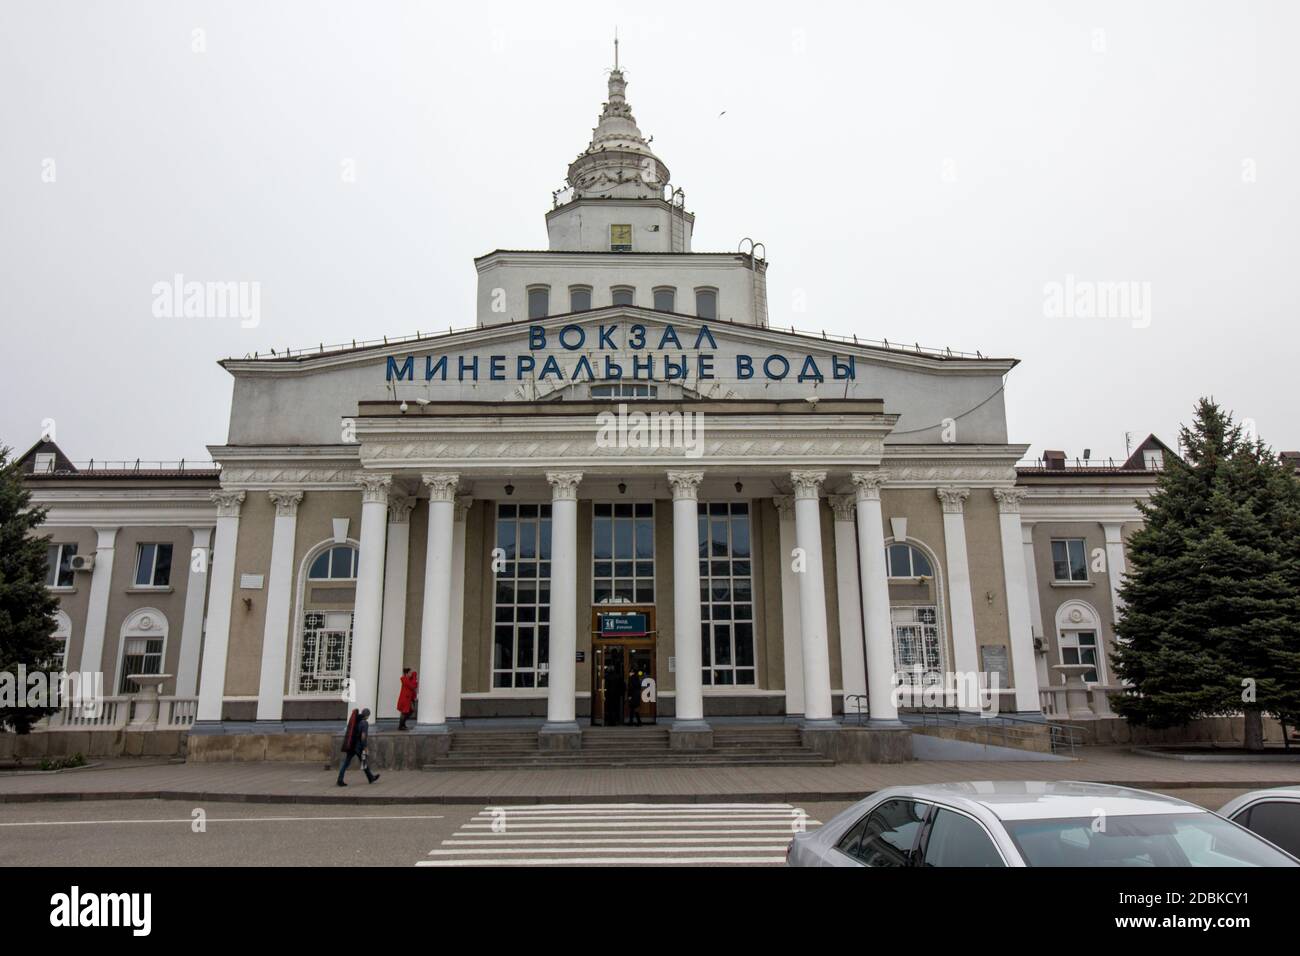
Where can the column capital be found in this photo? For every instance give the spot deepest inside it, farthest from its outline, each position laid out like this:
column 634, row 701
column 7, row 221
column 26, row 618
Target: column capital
column 807, row 484
column 228, row 503
column 954, row 499
column 1114, row 531
column 869, row 484
column 1009, row 499
column 374, row 488
column 442, row 487
column 286, row 502
column 784, row 507
column 399, row 508
column 686, row 484
column 564, row 484
column 844, row 506
column 463, row 504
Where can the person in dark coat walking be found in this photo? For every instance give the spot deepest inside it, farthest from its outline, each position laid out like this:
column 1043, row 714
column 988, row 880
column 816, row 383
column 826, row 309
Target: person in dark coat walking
column 634, row 698
column 406, row 699
column 354, row 745
column 614, row 695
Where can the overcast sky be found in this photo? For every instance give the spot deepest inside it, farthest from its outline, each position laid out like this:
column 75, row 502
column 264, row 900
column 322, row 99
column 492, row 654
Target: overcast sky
column 918, row 171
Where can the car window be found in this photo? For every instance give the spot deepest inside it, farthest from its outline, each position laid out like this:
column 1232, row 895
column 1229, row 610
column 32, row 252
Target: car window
column 1164, row 839
column 957, row 840
column 849, row 842
column 1277, row 821
column 888, row 833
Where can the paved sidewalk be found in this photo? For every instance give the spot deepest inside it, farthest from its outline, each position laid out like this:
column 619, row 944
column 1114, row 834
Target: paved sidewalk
column 312, row 783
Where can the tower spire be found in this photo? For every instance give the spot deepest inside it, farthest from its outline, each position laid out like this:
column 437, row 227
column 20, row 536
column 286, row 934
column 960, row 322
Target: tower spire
column 616, row 48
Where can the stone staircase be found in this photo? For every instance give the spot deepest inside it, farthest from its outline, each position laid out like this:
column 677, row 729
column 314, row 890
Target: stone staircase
column 629, row 747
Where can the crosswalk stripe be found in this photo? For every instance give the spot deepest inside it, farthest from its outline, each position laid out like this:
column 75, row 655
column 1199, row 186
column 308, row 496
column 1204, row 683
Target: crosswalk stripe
column 629, row 834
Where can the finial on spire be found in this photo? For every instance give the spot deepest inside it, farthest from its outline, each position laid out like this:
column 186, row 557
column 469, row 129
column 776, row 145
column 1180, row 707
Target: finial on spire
column 616, row 48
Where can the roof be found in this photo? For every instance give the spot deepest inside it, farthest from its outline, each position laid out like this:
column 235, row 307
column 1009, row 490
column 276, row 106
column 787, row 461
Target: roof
column 1047, row 800
column 64, row 468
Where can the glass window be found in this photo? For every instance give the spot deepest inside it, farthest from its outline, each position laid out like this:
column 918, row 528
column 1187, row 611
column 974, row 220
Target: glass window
column 153, row 565
column 890, row 833
column 623, row 552
column 665, row 300
column 338, row 563
column 579, row 300
column 1069, row 559
column 325, row 655
column 1277, row 821
column 907, row 561
column 620, row 237
column 1162, row 839
column 58, row 565
column 726, row 594
column 623, row 296
column 957, row 840
column 625, row 390
column 1080, row 647
column 706, row 303
column 44, row 463
column 140, row 655
column 918, row 649
column 521, row 632
column 539, row 303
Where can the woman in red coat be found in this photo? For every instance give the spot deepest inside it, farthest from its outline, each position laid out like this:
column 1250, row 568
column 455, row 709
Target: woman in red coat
column 406, row 699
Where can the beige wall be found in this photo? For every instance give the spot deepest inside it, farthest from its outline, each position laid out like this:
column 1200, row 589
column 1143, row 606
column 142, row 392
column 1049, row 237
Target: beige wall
column 124, row 600
column 75, row 602
column 1095, row 593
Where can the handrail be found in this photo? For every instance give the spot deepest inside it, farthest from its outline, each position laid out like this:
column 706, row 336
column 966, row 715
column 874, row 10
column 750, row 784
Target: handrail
column 1059, row 735
column 861, row 700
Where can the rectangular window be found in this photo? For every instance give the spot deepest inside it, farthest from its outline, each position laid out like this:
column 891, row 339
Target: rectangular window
column 579, row 300
column 1080, row 647
column 58, row 565
column 140, row 655
column 623, row 552
column 1069, row 559
column 665, row 300
column 521, row 632
column 623, row 296
column 726, row 594
column 153, row 566
column 918, row 653
column 620, row 237
column 1153, row 459
column 539, row 303
column 44, row 463
column 706, row 303
column 625, row 390
column 325, row 657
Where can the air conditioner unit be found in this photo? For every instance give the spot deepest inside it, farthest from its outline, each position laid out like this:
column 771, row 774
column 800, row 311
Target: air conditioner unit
column 82, row 562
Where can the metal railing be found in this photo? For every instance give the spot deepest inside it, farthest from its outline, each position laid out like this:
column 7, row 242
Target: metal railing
column 137, row 465
column 860, row 706
column 1061, row 737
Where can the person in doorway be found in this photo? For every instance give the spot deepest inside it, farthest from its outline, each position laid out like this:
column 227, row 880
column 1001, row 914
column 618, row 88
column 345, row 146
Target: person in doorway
column 355, row 741
column 614, row 688
column 406, row 699
column 634, row 697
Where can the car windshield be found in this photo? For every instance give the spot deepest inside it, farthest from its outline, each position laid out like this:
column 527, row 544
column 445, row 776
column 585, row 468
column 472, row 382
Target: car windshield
column 1166, row 839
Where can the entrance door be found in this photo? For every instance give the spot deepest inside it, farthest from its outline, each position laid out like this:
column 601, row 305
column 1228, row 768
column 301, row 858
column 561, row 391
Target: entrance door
column 622, row 666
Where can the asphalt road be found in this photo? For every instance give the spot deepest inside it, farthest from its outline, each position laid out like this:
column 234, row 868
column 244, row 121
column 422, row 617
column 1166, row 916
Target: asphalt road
column 173, row 833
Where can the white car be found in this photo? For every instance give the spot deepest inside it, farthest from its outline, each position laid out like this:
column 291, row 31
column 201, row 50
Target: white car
column 1273, row 814
column 1017, row 823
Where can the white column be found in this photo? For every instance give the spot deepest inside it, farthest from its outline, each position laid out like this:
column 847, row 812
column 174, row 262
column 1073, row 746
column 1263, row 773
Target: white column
column 877, row 623
column 562, row 673
column 965, row 653
column 853, row 667
column 101, row 587
column 279, row 586
column 1024, row 672
column 392, row 635
column 196, row 592
column 686, row 600
column 791, row 645
column 456, row 631
column 812, row 598
column 431, row 711
column 1116, row 567
column 367, row 617
column 216, row 639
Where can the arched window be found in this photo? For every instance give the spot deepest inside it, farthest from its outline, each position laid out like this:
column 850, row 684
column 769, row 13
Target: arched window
column 144, row 642
column 907, row 561
column 623, row 295
column 1079, row 639
column 665, row 299
column 539, row 302
column 335, row 564
column 62, row 634
column 579, row 298
column 706, row 303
